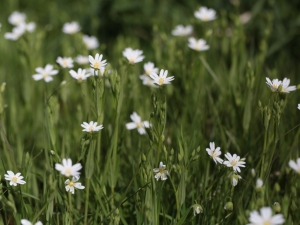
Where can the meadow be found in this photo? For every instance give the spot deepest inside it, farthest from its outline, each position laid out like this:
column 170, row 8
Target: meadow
column 149, row 112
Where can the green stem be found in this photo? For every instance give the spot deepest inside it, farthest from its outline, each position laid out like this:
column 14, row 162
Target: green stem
column 263, row 155
column 87, row 188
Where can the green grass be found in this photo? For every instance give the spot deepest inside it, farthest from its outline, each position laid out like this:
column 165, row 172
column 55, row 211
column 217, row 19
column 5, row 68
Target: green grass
column 217, row 96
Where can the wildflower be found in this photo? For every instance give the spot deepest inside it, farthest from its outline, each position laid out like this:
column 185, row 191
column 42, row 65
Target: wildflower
column 90, row 42
column 148, row 81
column 299, row 106
column 45, row 73
column 285, row 86
column 295, row 166
column 197, row 209
column 16, row 33
column 67, row 169
column 137, row 123
column 274, row 84
column 80, row 75
column 198, row 45
column 71, row 28
column 265, row 217
column 214, row 153
column 27, row 222
column 150, row 68
column 133, row 56
column 205, row 14
column 162, row 78
column 234, row 178
column 91, row 127
column 16, row 18
column 65, row 62
column 234, row 162
column 96, row 62
column 72, row 184
column 180, row 30
column 161, row 172
column 259, row 183
column 14, row 178
column 81, row 60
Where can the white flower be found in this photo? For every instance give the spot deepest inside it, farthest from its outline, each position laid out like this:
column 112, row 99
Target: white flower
column 148, row 81
column 162, row 78
column 80, row 75
column 72, row 184
column 265, row 217
column 96, row 62
column 81, row 60
column 150, row 68
column 205, row 14
column 137, row 123
column 45, row 73
column 90, row 42
column 259, row 183
column 95, row 72
column 274, row 84
column 197, row 209
column 198, row 45
column 234, row 178
column 295, row 166
column 214, row 153
column 285, row 86
column 180, row 30
column 133, row 56
column 234, row 162
column 30, row 27
column 71, row 28
column 67, row 169
column 161, row 172
column 27, row 222
column 14, row 178
column 16, row 18
column 17, row 32
column 65, row 62
column 299, row 106
column 91, row 127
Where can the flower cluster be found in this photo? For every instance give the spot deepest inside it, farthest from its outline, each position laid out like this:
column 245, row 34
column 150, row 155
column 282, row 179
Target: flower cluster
column 18, row 20
column 280, row 86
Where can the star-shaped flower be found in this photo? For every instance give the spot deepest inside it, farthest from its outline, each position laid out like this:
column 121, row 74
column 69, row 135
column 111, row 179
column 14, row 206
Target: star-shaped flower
column 45, row 73
column 205, row 14
column 198, row 45
column 14, row 178
column 234, row 162
column 97, row 63
column 67, row 169
column 133, row 56
column 65, row 62
column 162, row 78
column 72, row 184
column 71, row 28
column 295, row 165
column 80, row 75
column 214, row 152
column 137, row 123
column 161, row 172
column 265, row 217
column 91, row 127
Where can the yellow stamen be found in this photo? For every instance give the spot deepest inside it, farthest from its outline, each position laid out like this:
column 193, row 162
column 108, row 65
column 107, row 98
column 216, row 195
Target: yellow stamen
column 14, row 179
column 161, row 81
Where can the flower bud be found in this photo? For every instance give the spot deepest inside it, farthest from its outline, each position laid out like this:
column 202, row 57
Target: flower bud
column 197, row 209
column 228, row 206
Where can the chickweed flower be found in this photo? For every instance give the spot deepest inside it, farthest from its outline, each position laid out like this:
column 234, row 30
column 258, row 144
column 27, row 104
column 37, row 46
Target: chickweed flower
column 234, row 162
column 150, row 68
column 133, row 56
column 285, row 86
column 45, row 73
column 234, row 178
column 214, row 153
column 90, row 42
column 14, row 178
column 162, row 78
column 81, row 60
column 161, row 172
column 80, row 75
column 148, row 81
column 16, row 33
column 71, row 28
column 205, row 14
column 295, row 166
column 197, row 209
column 265, row 217
column 180, row 30
column 259, row 183
column 65, row 62
column 91, row 127
column 198, row 45
column 274, row 84
column 16, row 18
column 27, row 222
column 137, row 123
column 96, row 62
column 72, row 184
column 67, row 169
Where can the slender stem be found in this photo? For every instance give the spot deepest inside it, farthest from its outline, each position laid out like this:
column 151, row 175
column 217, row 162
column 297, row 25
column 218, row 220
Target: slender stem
column 87, row 188
column 263, row 155
column 70, row 206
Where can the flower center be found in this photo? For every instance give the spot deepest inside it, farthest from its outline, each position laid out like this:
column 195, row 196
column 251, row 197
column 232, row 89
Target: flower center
column 45, row 75
column 68, row 172
column 161, row 81
column 266, row 223
column 65, row 63
column 234, row 162
column 161, row 170
column 14, row 179
column 96, row 65
column 148, row 72
column 139, row 124
column 131, row 60
column 71, row 183
column 91, row 128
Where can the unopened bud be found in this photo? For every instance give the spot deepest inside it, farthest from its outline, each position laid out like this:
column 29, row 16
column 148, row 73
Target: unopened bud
column 228, row 206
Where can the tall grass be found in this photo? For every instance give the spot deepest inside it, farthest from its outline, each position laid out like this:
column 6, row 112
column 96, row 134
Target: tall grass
column 217, row 96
